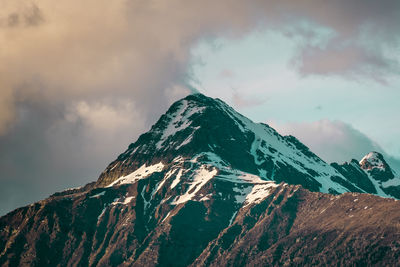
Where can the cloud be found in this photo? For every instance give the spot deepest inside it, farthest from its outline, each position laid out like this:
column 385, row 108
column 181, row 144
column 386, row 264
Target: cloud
column 54, row 147
column 242, row 101
column 350, row 61
column 226, row 74
column 334, row 141
column 70, row 72
column 21, row 15
column 103, row 117
column 139, row 49
column 351, row 39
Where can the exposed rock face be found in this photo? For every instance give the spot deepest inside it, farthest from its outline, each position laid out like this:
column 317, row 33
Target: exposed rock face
column 309, row 229
column 208, row 187
column 125, row 225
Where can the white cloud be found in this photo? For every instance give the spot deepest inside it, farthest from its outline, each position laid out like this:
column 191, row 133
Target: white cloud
column 105, row 117
column 243, row 101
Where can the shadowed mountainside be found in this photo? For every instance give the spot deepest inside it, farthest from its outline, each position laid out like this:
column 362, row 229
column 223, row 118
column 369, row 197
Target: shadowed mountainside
column 208, row 187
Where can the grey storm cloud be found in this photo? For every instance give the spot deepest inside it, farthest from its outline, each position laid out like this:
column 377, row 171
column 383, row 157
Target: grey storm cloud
column 29, row 15
column 77, row 76
column 52, row 147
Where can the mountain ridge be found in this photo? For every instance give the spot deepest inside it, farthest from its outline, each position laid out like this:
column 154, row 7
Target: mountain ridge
column 197, row 124
column 205, row 186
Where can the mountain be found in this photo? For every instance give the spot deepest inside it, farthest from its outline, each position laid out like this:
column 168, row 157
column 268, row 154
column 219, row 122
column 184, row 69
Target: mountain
column 209, row 132
column 372, row 175
column 206, row 186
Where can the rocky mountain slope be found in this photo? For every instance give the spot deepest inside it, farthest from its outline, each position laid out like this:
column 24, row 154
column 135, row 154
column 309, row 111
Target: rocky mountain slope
column 205, row 129
column 274, row 225
column 208, row 187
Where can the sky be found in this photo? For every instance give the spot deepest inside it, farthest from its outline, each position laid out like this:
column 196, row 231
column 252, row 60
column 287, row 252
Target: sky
column 81, row 80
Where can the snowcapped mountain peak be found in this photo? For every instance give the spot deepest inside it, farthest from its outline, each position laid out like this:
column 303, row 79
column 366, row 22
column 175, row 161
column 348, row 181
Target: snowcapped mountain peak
column 201, row 139
column 198, row 126
column 179, row 118
column 376, row 166
column 373, row 160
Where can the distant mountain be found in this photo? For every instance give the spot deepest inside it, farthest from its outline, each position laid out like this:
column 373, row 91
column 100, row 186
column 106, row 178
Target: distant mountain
column 206, row 186
column 371, row 175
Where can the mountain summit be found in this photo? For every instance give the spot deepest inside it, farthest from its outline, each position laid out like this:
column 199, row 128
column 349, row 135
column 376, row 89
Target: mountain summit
column 376, row 166
column 209, row 132
column 206, row 186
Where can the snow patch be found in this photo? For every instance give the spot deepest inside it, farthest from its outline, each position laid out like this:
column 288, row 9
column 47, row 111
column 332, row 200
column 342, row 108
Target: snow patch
column 233, row 217
column 145, row 202
column 98, row 195
column 236, row 176
column 179, row 121
column 201, row 177
column 205, row 198
column 167, row 176
column 242, row 193
column 185, row 142
column 113, row 167
column 391, row 182
column 72, row 188
column 166, row 217
column 377, row 186
column 124, row 202
column 177, row 179
column 101, row 214
column 259, row 192
column 141, row 173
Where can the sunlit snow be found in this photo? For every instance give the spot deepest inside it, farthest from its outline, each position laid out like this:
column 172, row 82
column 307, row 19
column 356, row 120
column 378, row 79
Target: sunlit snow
column 141, row 173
